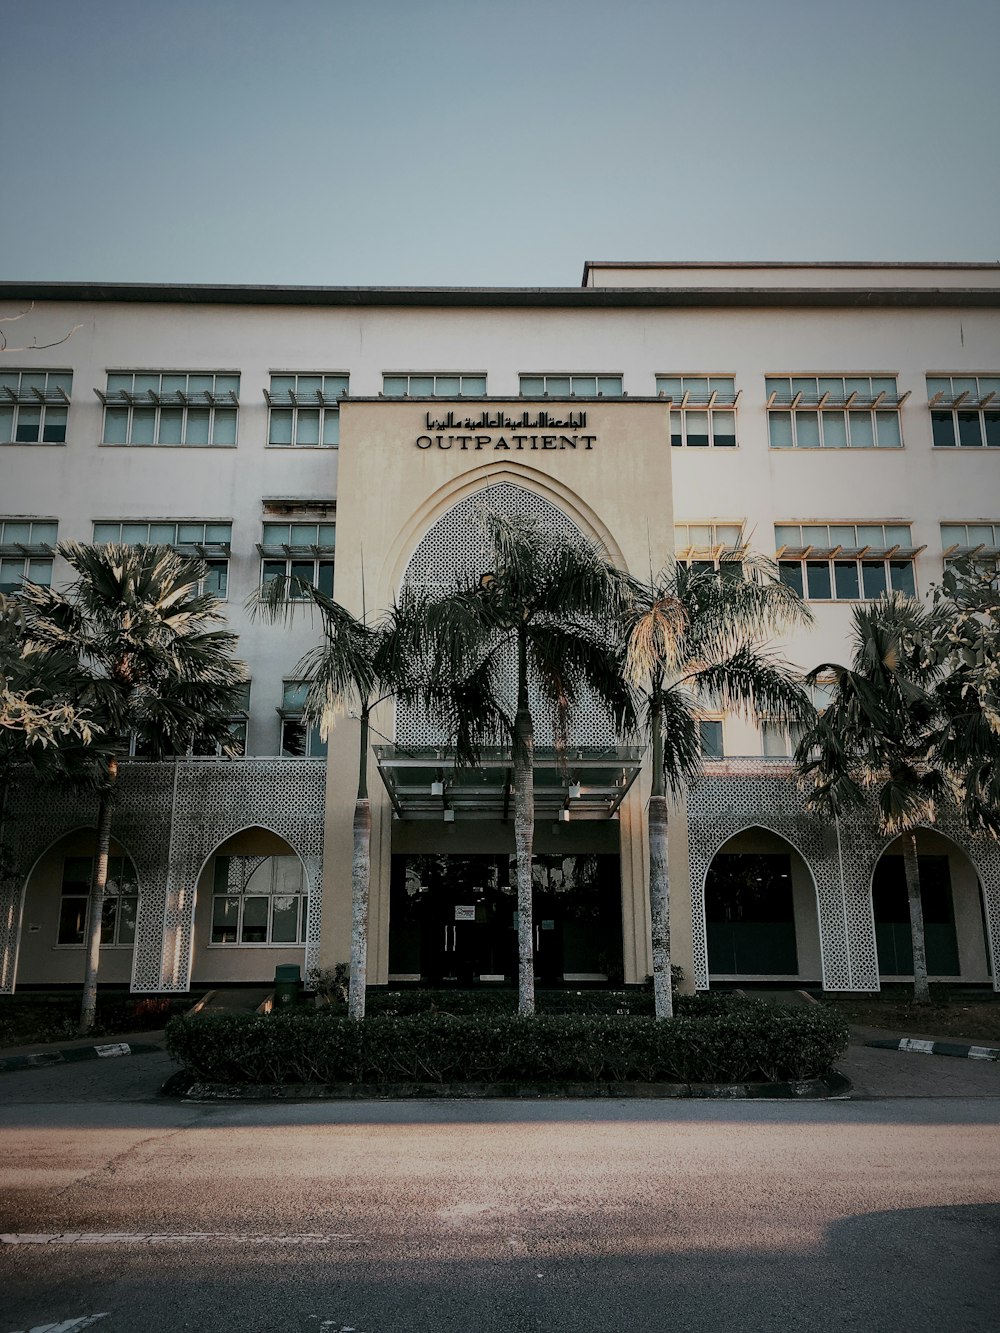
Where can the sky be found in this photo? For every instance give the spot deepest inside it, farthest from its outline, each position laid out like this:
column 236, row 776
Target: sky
column 471, row 143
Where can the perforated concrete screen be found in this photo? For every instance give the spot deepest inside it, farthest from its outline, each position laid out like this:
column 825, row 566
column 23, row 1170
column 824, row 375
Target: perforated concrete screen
column 454, row 551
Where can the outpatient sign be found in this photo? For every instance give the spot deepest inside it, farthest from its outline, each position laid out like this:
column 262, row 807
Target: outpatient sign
column 493, row 431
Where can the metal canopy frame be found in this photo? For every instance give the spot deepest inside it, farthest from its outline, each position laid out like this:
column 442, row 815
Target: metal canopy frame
column 175, row 398
column 429, row 784
column 31, row 397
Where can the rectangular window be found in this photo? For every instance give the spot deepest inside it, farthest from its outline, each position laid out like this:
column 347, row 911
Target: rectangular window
column 710, row 738
column 121, row 901
column 703, row 411
column 717, row 546
column 434, row 384
column 34, row 406
column 834, row 412
column 298, row 741
column 571, row 386
column 304, row 410
column 301, row 551
column 846, row 562
column 975, row 543
column 780, row 739
column 259, row 902
column 26, row 549
column 238, row 722
column 209, row 541
column 965, row 411
column 196, row 409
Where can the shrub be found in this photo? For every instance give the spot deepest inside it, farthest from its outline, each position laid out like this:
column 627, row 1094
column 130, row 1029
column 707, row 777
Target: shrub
column 745, row 1041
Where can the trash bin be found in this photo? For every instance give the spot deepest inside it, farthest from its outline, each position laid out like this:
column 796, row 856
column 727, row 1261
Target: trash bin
column 287, row 985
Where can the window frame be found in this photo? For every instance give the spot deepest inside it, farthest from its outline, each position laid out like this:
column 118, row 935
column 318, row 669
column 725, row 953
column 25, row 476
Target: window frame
column 948, row 406
column 216, row 552
column 51, row 402
column 326, row 406
column 110, row 898
column 242, row 897
column 436, row 391
column 710, row 396
column 34, row 556
column 844, row 396
column 572, row 376
column 291, row 714
column 804, row 556
column 213, row 401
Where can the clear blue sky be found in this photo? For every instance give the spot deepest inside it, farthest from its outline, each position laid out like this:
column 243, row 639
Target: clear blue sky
column 474, row 143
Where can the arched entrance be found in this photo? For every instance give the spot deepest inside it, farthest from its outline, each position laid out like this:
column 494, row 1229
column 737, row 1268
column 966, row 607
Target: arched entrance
column 55, row 913
column 954, row 923
column 760, row 911
column 250, row 910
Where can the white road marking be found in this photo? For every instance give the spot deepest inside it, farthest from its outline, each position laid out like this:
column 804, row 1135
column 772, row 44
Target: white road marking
column 167, row 1238
column 68, row 1325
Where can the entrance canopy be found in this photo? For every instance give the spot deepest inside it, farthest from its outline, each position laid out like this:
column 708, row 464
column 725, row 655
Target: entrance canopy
column 587, row 782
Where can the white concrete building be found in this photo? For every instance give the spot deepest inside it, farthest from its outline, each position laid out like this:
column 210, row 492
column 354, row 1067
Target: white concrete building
column 845, row 418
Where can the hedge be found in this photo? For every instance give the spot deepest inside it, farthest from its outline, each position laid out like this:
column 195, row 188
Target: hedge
column 751, row 1042
column 634, row 1003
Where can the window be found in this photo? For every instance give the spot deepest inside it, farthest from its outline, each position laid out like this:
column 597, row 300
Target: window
column 834, row 412
column 26, row 552
column 305, row 411
column 238, row 722
column 780, row 739
column 703, row 411
column 259, row 900
column 571, row 386
column 298, row 741
column 710, row 738
column 846, row 562
column 121, row 901
column 301, row 551
column 710, row 546
column 210, row 541
column 965, row 410
column 187, row 408
column 34, row 405
column 978, row 543
column 434, row 386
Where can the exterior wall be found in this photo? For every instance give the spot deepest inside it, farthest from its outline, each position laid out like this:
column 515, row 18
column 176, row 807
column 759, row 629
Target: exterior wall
column 389, row 492
column 381, row 524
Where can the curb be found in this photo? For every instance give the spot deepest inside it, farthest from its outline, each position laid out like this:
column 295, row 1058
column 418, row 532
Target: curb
column 72, row 1054
column 832, row 1086
column 936, row 1048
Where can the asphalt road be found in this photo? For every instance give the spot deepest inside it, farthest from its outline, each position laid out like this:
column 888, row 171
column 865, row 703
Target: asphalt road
column 566, row 1217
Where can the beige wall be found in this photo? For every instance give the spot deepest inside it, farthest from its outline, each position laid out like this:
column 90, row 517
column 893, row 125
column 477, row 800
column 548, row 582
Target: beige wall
column 41, row 961
column 392, row 491
column 214, row 963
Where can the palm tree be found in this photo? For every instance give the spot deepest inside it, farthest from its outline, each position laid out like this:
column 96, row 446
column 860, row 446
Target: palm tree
column 537, row 622
column 149, row 665
column 879, row 734
column 358, row 665
column 693, row 642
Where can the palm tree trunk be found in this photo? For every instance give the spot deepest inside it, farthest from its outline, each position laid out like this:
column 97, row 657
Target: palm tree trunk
column 361, row 871
column 911, row 868
column 659, row 880
column 524, row 835
column 98, row 883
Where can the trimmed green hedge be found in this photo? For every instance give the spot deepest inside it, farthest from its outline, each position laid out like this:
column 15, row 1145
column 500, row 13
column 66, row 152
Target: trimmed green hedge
column 485, row 1003
column 751, row 1042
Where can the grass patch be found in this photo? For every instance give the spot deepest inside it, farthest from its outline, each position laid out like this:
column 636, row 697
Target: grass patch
column 978, row 1019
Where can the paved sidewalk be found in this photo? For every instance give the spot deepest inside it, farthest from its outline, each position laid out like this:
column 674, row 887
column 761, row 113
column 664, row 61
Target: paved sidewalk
column 876, row 1072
